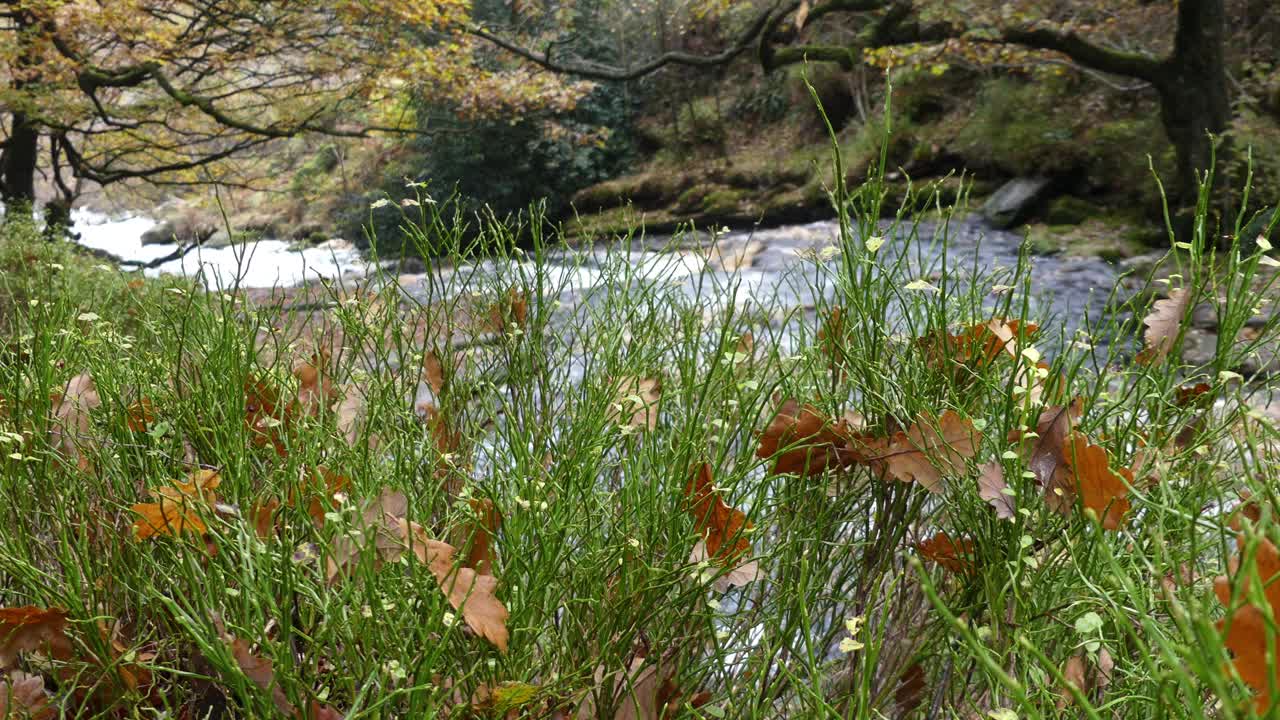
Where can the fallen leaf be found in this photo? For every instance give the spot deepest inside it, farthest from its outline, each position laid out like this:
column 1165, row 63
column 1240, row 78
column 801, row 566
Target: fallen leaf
column 801, row 440
column 953, row 555
column 23, row 696
column 1164, row 324
column 928, row 451
column 1101, row 490
column 992, row 487
column 910, row 691
column 316, row 391
column 722, row 530
column 977, row 345
column 1047, row 453
column 1087, row 677
column 634, row 693
column 264, row 518
column 28, row 628
column 71, row 428
column 477, row 535
column 140, row 415
column 635, row 403
column 179, row 507
column 802, row 14
column 1245, row 626
column 261, row 672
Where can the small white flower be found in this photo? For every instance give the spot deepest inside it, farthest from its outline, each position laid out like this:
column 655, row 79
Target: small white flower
column 1031, row 354
column 633, row 543
column 449, row 619
column 1263, row 244
column 828, row 252
column 88, row 317
column 379, row 203
column 409, row 202
column 874, row 243
column 1268, row 261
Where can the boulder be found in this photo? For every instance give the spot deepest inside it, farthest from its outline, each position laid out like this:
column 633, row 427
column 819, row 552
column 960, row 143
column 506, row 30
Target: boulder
column 160, row 234
column 1015, row 201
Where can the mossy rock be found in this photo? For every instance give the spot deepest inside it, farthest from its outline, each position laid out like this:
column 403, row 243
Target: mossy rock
column 1045, row 240
column 722, row 201
column 1069, row 210
column 691, row 199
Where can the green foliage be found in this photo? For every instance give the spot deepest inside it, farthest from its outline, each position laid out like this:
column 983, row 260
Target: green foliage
column 1019, row 127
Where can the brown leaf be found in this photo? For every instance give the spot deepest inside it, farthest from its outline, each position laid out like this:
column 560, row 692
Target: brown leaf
column 1087, row 677
column 433, row 372
column 926, row 452
column 264, row 518
column 910, row 691
column 722, row 530
column 23, row 629
column 260, row 670
column 477, row 535
column 801, row 440
column 977, row 345
column 1164, row 323
column 992, row 486
column 1101, row 490
column 179, row 507
column 140, row 415
column 802, row 14
column 634, row 693
column 636, row 402
column 23, row 696
column 71, row 428
column 953, row 555
column 316, row 391
column 1245, row 626
column 1048, row 451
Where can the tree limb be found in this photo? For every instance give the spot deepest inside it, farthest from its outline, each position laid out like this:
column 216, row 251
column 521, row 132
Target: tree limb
column 595, row 71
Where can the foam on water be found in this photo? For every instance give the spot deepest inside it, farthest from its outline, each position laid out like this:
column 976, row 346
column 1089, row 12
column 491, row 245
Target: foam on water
column 265, row 263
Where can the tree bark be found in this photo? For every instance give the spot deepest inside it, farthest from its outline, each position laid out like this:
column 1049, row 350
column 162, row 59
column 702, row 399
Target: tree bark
column 18, row 161
column 1193, row 91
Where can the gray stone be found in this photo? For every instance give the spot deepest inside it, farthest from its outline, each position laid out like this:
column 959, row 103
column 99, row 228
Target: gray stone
column 160, row 234
column 1015, row 201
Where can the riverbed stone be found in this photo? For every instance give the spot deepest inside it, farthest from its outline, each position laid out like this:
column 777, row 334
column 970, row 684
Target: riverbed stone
column 160, row 234
column 1015, row 201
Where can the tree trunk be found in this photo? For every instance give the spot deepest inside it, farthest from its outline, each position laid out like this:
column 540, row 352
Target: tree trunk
column 1193, row 91
column 18, row 162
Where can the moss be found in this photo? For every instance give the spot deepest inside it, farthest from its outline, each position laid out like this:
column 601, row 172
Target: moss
column 722, row 201
column 1044, row 240
column 1069, row 210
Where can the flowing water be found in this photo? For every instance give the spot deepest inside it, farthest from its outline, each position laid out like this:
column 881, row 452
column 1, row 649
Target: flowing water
column 757, row 263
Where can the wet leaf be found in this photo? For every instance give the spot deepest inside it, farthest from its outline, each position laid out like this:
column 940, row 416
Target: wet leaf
column 1101, row 490
column 140, row 415
column 178, row 508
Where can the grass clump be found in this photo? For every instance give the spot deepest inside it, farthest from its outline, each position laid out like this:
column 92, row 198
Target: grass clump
column 548, row 483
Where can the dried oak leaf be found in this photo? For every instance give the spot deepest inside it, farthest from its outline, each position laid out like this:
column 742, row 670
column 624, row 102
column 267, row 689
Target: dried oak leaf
column 977, row 345
column 1101, row 490
column 992, row 487
column 1245, row 626
column 722, row 530
column 178, row 508
column 23, row 696
column 316, row 391
column 1087, row 677
column 140, row 415
column 929, row 450
column 23, row 629
column 392, row 535
column 71, row 428
column 635, row 402
column 953, row 555
column 801, row 440
column 910, row 690
column 633, row 693
column 1164, row 323
column 261, row 672
column 477, row 535
column 1046, row 453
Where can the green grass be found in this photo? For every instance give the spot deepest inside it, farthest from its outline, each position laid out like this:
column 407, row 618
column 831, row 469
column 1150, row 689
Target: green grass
column 593, row 554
